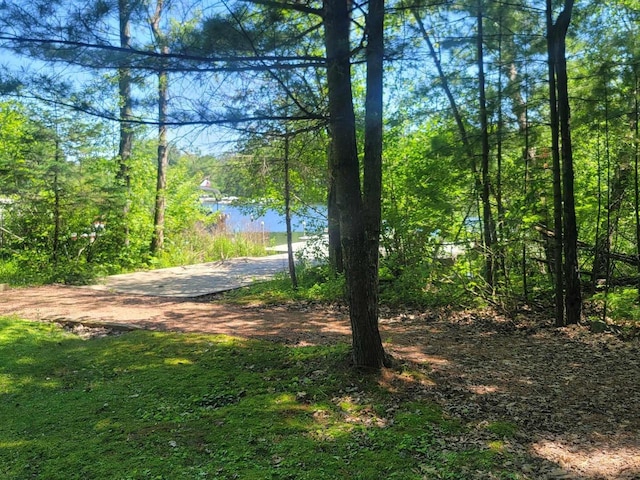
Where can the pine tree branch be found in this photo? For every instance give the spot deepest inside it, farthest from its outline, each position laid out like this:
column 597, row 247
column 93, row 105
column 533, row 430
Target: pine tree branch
column 288, row 6
column 306, row 60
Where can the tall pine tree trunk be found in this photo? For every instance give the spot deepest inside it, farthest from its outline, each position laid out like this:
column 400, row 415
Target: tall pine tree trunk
column 636, row 162
column 573, row 295
column 373, row 139
column 487, row 217
column 557, row 180
column 157, row 242
column 500, row 236
column 126, row 112
column 287, row 214
column 525, row 194
column 333, row 216
column 361, row 275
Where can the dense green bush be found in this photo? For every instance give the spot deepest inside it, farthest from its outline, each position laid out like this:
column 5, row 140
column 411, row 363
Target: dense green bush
column 622, row 304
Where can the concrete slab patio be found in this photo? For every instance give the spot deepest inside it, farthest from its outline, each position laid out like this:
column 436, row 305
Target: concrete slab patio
column 194, row 281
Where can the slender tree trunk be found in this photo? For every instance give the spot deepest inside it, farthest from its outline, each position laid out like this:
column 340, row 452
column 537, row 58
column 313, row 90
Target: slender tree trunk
column 596, row 255
column 636, row 159
column 157, row 241
column 363, row 309
column 524, row 128
column 573, row 294
column 499, row 203
column 525, row 193
column 487, row 219
column 557, row 180
column 333, row 217
column 521, row 111
column 444, row 82
column 373, row 126
column 373, row 142
column 616, row 191
column 126, row 113
column 287, row 215
column 607, row 240
column 56, row 202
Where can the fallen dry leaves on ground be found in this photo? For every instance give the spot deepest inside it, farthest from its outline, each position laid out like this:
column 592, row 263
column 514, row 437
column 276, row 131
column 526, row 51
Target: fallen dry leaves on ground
column 574, row 396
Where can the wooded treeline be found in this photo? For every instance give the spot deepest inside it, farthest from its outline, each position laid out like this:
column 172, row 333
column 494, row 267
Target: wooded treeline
column 485, row 148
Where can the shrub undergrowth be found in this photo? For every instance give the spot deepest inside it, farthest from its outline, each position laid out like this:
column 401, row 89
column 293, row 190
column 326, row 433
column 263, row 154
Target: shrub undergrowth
column 622, row 303
column 197, row 244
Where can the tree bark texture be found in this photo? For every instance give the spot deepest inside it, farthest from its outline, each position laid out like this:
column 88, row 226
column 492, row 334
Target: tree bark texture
column 287, row 215
column 126, row 112
column 124, row 92
column 361, row 275
column 636, row 164
column 573, row 295
column 57, row 215
column 333, row 216
column 487, row 218
column 157, row 242
column 557, row 180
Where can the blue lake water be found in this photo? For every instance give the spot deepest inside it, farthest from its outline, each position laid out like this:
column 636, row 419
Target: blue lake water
column 245, row 219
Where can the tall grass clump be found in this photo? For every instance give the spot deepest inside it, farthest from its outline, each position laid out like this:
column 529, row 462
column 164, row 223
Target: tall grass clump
column 209, row 242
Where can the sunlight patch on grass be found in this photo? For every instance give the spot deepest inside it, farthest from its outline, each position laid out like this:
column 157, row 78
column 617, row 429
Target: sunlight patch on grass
column 26, row 361
column 176, row 406
column 497, row 446
column 177, row 361
column 14, row 444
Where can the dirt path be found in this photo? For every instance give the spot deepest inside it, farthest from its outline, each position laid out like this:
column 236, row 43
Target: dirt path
column 95, row 307
column 574, row 396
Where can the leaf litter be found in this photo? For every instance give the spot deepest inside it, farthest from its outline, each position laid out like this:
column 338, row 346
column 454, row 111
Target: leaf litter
column 573, row 395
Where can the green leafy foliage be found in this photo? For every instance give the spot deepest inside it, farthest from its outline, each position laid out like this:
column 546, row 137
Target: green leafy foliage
column 622, row 303
column 61, row 172
column 64, row 221
column 424, row 192
column 428, row 284
column 17, row 147
column 315, row 283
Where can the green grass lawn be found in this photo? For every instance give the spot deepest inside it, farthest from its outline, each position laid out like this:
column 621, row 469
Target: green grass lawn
column 147, row 405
